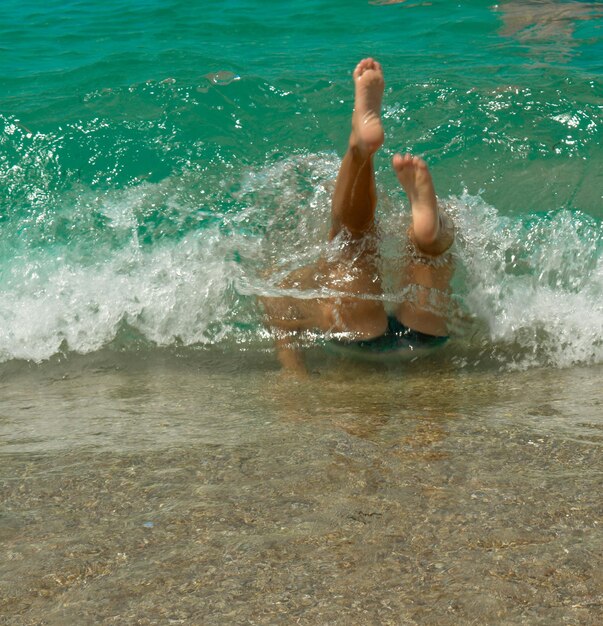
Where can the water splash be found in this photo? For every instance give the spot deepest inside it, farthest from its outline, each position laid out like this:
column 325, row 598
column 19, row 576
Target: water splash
column 181, row 261
column 536, row 282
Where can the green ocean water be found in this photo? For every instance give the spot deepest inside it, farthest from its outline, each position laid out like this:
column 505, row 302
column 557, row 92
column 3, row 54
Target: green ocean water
column 158, row 160
column 163, row 164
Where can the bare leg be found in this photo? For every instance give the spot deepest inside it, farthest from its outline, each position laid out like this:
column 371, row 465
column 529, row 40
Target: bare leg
column 356, row 272
column 432, row 233
column 355, row 197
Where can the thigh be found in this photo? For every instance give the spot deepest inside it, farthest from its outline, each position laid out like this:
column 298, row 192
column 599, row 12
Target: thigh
column 340, row 293
column 427, row 296
column 355, row 296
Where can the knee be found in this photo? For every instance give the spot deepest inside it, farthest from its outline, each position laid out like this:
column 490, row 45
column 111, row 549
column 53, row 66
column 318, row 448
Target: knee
column 434, row 237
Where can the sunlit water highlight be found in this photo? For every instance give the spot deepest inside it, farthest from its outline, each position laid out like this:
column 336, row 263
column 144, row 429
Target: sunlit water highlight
column 164, row 164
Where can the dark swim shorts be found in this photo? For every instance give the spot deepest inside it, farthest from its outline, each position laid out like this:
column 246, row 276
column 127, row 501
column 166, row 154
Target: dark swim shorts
column 396, row 338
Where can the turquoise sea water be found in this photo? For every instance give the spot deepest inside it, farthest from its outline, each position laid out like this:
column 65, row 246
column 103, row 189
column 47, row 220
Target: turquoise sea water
column 159, row 159
column 163, row 163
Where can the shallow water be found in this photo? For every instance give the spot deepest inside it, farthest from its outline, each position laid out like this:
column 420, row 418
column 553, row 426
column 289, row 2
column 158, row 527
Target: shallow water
column 181, row 489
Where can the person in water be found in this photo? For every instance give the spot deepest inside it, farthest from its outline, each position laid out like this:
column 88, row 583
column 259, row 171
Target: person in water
column 355, row 316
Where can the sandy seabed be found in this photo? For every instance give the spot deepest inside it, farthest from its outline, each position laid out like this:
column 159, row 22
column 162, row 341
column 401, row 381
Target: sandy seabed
column 206, row 489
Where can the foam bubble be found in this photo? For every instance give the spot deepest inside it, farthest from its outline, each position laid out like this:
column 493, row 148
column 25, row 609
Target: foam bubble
column 79, row 296
column 146, row 259
column 536, row 282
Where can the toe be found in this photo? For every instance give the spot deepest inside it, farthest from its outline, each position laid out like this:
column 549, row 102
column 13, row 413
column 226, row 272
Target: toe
column 360, row 67
column 366, row 64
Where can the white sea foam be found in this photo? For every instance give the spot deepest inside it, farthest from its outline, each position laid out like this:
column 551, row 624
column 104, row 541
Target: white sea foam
column 173, row 293
column 531, row 286
column 537, row 283
column 178, row 291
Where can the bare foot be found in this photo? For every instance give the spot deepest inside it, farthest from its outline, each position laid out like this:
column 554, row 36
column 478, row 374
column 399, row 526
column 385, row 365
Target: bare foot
column 429, row 229
column 367, row 131
column 415, row 179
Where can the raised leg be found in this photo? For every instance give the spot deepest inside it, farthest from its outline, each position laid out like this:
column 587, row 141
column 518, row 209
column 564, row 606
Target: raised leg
column 428, row 270
column 355, row 197
column 352, row 273
column 355, row 274
column 431, row 230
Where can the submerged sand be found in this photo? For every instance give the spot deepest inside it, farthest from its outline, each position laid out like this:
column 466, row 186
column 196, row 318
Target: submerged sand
column 198, row 489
